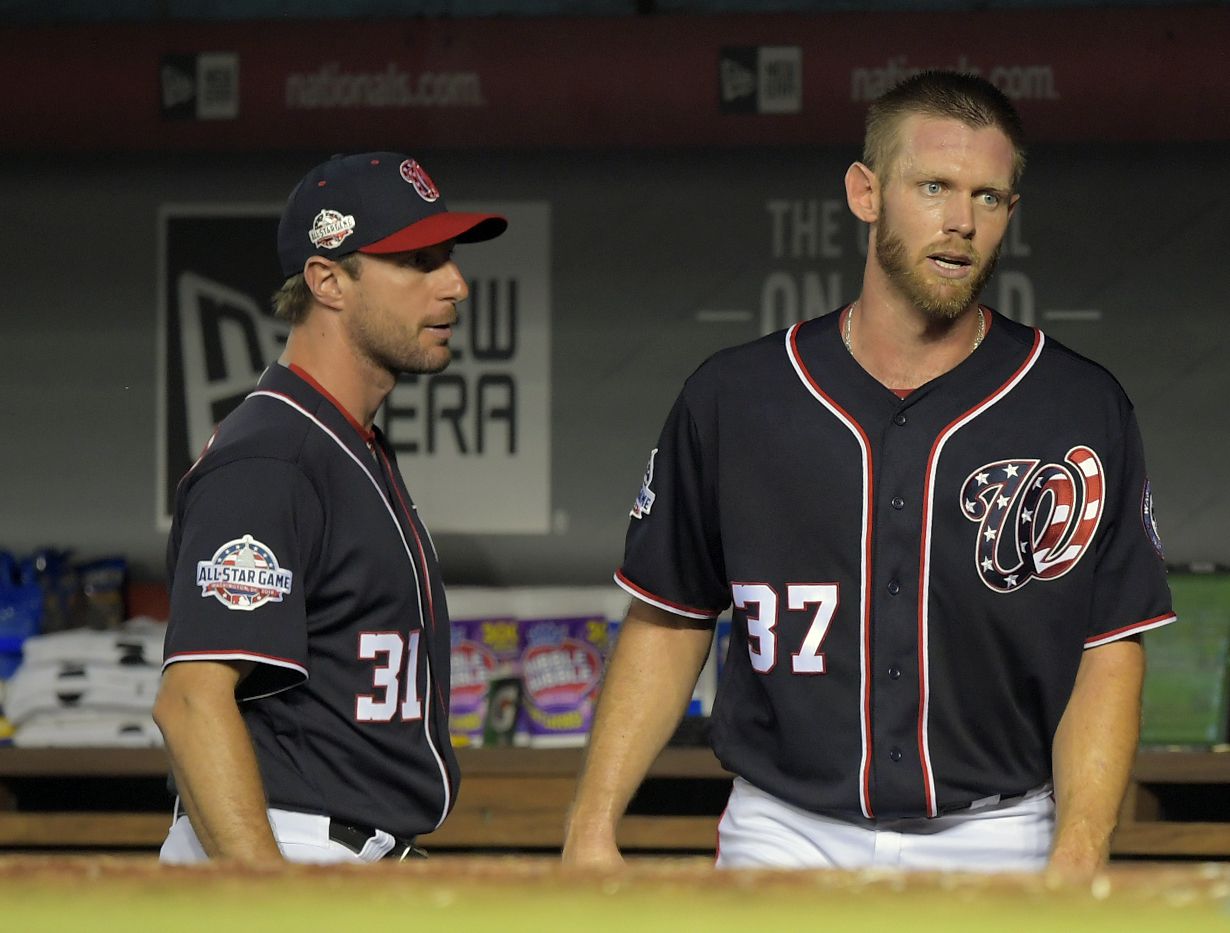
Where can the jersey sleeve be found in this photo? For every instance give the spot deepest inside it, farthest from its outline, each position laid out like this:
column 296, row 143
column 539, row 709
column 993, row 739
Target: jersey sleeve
column 246, row 538
column 1130, row 591
column 673, row 550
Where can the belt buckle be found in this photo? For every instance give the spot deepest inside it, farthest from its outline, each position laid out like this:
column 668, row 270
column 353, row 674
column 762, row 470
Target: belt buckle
column 408, row 850
column 353, row 838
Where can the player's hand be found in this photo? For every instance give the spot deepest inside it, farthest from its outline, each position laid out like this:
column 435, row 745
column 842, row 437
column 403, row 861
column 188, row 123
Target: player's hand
column 591, row 850
column 1075, row 864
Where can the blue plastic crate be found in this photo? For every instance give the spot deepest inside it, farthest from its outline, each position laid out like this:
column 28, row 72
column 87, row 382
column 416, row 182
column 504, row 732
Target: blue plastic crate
column 10, row 655
column 9, row 662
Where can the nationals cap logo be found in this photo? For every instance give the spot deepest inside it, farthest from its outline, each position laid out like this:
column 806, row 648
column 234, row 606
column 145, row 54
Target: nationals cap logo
column 330, row 228
column 416, row 175
column 1033, row 521
column 243, row 574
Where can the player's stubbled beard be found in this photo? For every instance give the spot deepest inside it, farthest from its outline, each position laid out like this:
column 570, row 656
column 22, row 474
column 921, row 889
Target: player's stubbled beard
column 944, row 302
column 383, row 342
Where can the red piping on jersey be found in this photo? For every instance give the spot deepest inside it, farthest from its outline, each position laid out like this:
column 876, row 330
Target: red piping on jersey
column 418, row 542
column 224, row 656
column 367, row 434
column 253, row 655
column 422, row 561
column 1116, row 634
column 427, row 585
column 792, row 351
column 431, row 609
column 924, row 687
column 653, row 600
column 290, row 402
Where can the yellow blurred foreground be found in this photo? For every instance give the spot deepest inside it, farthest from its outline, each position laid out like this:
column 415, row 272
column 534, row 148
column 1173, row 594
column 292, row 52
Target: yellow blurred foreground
column 510, row 894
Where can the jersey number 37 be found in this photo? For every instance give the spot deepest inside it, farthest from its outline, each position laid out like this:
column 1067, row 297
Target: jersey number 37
column 760, row 602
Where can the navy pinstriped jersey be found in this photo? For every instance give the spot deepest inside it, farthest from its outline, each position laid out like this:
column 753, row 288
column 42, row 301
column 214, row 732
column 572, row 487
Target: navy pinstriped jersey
column 295, row 545
column 913, row 581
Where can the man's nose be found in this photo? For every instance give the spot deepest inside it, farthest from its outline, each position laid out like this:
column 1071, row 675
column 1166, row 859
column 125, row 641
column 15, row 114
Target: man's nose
column 959, row 217
column 458, row 288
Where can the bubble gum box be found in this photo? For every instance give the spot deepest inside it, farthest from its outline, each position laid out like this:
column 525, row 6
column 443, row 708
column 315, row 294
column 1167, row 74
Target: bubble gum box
column 561, row 668
column 483, row 650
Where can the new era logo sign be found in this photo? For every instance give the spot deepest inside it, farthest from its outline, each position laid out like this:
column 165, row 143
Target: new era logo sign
column 761, row 79
column 738, row 78
column 200, row 87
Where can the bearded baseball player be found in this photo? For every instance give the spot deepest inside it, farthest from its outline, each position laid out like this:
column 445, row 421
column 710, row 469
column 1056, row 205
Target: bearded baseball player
column 934, row 529
column 304, row 697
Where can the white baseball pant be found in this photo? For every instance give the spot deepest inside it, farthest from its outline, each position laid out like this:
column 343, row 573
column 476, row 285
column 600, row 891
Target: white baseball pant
column 759, row 830
column 302, row 837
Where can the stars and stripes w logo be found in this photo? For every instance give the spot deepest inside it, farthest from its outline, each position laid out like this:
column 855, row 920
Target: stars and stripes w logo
column 1033, row 521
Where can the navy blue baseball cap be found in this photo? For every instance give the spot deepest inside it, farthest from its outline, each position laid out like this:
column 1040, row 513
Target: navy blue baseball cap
column 374, row 202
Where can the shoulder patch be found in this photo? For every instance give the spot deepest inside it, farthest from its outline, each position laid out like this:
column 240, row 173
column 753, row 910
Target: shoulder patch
column 243, row 574
column 1149, row 519
column 644, row 500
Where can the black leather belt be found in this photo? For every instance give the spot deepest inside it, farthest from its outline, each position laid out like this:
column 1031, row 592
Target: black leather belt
column 355, row 838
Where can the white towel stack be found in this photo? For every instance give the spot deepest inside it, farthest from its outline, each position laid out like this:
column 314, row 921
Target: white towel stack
column 83, row 687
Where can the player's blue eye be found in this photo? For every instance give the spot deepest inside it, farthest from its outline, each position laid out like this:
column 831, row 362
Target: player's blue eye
column 932, row 187
column 990, row 199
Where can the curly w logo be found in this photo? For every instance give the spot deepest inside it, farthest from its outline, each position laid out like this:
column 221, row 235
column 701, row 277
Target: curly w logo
column 1033, row 521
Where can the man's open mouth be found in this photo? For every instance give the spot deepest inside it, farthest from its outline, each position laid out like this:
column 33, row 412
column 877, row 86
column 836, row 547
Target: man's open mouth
column 950, row 260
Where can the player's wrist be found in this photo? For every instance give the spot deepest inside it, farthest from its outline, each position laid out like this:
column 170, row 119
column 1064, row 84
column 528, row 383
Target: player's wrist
column 1079, row 852
column 584, row 825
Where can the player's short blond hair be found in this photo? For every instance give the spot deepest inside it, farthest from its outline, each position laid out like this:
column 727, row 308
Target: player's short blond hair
column 968, row 98
column 293, row 300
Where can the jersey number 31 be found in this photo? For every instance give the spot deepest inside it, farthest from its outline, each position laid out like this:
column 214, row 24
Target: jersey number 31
column 760, row 603
column 392, row 649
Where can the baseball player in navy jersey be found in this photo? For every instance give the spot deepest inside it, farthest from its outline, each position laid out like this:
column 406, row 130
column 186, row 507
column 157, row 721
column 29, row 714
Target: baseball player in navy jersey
column 933, row 527
column 304, row 698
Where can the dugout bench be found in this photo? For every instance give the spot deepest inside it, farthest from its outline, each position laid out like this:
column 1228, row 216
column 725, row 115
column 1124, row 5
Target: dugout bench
column 514, row 800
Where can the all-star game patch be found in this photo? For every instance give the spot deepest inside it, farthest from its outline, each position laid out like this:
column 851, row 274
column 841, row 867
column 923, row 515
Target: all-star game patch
column 243, row 574
column 330, row 228
column 1149, row 518
column 646, row 497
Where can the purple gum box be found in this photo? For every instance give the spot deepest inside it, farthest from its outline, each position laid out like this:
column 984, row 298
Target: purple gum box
column 481, row 650
column 561, row 668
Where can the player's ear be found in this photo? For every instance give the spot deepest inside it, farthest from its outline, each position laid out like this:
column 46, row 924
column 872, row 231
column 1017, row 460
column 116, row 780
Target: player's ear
column 863, row 193
column 323, row 278
column 1012, row 203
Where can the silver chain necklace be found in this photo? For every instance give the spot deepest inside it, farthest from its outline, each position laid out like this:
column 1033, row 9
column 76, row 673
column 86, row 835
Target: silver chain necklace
column 845, row 334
